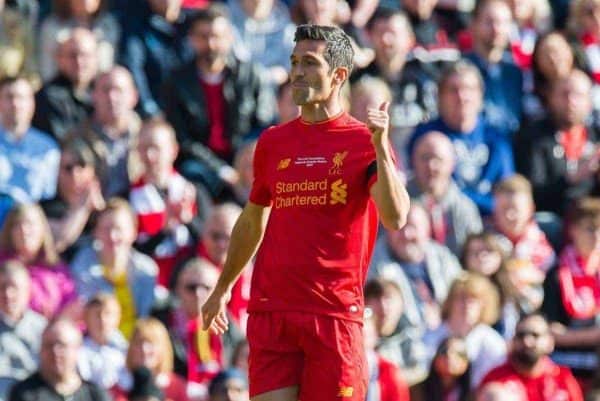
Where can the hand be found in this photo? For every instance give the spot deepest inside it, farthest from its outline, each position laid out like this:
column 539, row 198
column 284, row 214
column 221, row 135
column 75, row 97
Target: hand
column 214, row 313
column 378, row 122
column 95, row 197
column 181, row 211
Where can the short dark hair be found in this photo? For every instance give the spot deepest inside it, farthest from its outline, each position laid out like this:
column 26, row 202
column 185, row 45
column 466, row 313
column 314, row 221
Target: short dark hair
column 483, row 4
column 208, row 15
column 386, row 13
column 338, row 49
column 11, row 80
column 459, row 67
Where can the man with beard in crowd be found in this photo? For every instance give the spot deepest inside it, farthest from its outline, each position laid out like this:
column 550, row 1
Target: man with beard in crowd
column 529, row 372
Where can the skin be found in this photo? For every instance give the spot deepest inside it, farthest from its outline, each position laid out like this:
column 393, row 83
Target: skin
column 387, row 310
column 570, row 100
column 534, row 341
column 513, row 212
column 77, row 58
column 408, row 244
column 460, row 101
column 482, row 259
column 491, row 29
column 17, row 105
column 212, row 43
column 114, row 99
column 28, row 236
column 14, row 294
column 60, row 346
column 392, row 40
column 191, row 301
column 102, row 320
column 554, row 57
column 433, row 163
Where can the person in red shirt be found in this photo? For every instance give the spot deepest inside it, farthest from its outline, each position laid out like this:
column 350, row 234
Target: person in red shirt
column 320, row 181
column 529, row 372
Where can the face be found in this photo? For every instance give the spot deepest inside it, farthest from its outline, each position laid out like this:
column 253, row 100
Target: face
column 468, row 306
column 102, row 320
column 391, row 37
column 14, row 294
column 433, row 163
column 409, row 242
column 194, row 287
column 492, row 27
column 157, row 149
column 387, row 310
column 77, row 58
column 481, row 258
column 312, row 80
column 144, row 352
column 420, row 8
column 74, row 176
column 532, row 341
column 452, row 359
column 60, row 350
column 522, row 10
column 28, row 234
column 362, row 101
column 586, row 236
column 114, row 95
column 232, row 390
column 512, row 212
column 84, row 8
column 554, row 57
column 570, row 100
column 17, row 104
column 320, row 12
column 211, row 41
column 257, row 8
column 590, row 17
column 460, row 100
column 115, row 230
column 216, row 236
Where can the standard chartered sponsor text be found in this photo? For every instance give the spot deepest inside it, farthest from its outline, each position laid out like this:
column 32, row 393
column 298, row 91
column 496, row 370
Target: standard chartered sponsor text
column 318, row 188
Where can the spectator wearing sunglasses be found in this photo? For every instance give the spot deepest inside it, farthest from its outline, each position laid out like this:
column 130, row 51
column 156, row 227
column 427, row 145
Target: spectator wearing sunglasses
column 532, row 375
column 181, row 316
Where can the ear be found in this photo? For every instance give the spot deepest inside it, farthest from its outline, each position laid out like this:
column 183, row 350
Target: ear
column 340, row 75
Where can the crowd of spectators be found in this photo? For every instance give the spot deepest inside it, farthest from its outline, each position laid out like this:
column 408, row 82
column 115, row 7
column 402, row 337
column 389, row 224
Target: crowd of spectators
column 127, row 133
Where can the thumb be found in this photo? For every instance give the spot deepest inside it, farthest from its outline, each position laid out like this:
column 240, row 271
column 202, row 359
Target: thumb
column 384, row 106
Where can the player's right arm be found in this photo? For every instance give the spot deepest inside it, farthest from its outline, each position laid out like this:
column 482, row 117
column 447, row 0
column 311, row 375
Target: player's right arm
column 245, row 239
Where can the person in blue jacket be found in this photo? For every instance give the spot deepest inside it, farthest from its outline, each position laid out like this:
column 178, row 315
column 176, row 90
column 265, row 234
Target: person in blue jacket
column 483, row 154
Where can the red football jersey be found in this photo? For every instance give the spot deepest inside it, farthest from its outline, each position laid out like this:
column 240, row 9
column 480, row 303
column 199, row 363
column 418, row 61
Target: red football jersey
column 319, row 238
column 553, row 383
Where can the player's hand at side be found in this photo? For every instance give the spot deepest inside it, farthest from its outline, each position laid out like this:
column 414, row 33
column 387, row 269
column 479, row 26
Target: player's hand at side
column 378, row 122
column 214, row 313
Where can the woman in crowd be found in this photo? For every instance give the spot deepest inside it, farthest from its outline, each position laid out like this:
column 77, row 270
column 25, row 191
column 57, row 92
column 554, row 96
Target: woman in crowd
column 26, row 236
column 469, row 310
column 150, row 347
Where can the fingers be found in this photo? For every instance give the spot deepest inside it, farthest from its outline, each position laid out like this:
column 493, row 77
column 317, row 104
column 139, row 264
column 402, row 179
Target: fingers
column 220, row 324
column 384, row 107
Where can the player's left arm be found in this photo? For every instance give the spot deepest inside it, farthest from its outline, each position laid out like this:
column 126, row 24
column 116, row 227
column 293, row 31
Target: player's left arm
column 388, row 192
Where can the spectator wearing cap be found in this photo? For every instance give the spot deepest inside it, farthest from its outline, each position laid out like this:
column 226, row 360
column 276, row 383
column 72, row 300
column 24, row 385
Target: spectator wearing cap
column 423, row 268
column 385, row 378
column 411, row 81
column 502, row 79
column 149, row 348
column 469, row 310
column 20, row 327
column 453, row 216
column 559, row 153
column 153, row 45
column 483, row 155
column 215, row 101
column 398, row 341
column 57, row 378
column 573, row 293
column 78, row 199
column 229, row 385
column 66, row 100
column 111, row 264
column 529, row 372
column 29, row 158
column 26, row 237
column 112, row 131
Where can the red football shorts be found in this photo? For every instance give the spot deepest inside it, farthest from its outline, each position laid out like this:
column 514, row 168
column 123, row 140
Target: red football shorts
column 323, row 356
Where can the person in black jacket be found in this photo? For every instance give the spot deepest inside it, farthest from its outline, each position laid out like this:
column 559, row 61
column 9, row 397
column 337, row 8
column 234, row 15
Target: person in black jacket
column 215, row 101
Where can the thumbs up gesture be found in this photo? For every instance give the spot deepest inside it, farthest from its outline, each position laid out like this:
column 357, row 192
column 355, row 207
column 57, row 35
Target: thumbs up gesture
column 378, row 122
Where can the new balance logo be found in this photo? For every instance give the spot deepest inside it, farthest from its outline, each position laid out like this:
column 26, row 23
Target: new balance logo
column 338, row 192
column 345, row 392
column 283, row 164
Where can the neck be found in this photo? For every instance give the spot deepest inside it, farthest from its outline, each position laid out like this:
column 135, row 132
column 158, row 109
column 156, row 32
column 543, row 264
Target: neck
column 158, row 178
column 217, row 66
column 322, row 111
column 492, row 55
column 115, row 261
column 16, row 131
column 391, row 68
column 115, row 127
column 437, row 192
column 525, row 370
column 62, row 384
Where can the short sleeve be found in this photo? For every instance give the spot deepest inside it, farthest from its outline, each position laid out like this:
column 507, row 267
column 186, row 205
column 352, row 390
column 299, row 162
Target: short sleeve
column 260, row 193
